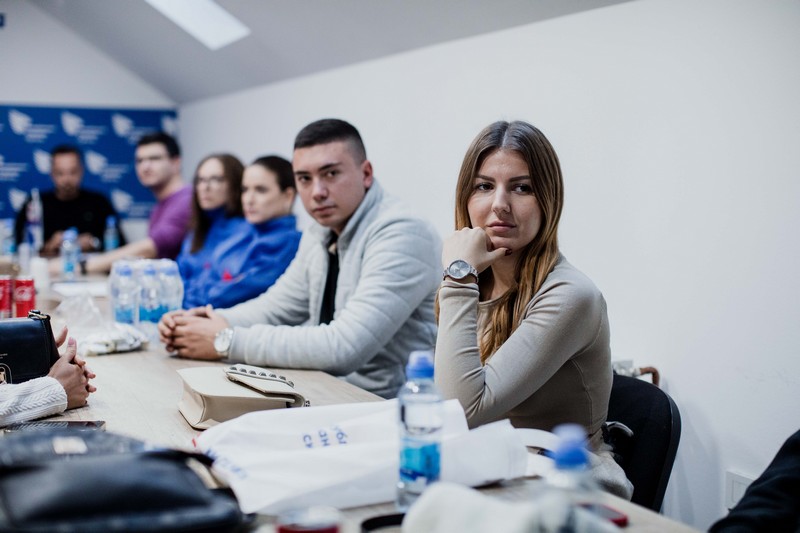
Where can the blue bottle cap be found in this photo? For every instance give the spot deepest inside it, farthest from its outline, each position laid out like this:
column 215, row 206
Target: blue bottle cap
column 571, row 451
column 420, row 364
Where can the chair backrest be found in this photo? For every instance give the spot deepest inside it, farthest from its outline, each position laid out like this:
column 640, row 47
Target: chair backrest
column 647, row 456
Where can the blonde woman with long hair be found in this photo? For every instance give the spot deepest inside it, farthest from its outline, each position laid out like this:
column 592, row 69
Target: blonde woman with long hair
column 523, row 334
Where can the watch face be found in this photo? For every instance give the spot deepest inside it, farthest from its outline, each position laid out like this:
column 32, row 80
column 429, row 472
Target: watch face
column 459, row 269
column 222, row 342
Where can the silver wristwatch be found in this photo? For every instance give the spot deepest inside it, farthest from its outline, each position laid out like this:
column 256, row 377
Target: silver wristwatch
column 458, row 270
column 222, row 342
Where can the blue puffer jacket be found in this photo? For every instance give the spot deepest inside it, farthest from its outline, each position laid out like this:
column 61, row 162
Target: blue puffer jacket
column 244, row 267
column 195, row 267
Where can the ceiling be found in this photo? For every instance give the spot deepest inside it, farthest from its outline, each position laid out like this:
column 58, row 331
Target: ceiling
column 289, row 38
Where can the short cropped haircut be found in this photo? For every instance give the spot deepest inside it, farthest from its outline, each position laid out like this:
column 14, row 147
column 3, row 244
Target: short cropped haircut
column 160, row 137
column 330, row 130
column 66, row 149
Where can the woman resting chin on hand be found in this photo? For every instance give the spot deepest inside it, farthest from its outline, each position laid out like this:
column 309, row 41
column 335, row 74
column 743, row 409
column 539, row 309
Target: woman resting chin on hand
column 542, row 356
column 66, row 386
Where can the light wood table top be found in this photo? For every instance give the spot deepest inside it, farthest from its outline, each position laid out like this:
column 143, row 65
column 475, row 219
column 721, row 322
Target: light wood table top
column 138, row 393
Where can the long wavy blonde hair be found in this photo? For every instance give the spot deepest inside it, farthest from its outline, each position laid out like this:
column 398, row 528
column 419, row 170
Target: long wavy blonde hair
column 539, row 257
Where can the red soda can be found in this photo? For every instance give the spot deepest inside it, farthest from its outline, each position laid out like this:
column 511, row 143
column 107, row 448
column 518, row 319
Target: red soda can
column 24, row 296
column 6, row 297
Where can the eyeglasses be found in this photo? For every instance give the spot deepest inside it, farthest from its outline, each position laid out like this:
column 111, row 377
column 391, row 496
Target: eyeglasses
column 214, row 181
column 150, row 159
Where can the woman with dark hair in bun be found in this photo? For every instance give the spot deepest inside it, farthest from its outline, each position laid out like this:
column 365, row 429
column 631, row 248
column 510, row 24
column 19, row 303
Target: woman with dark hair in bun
column 248, row 265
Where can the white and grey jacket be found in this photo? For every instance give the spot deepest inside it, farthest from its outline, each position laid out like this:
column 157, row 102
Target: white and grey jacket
column 389, row 270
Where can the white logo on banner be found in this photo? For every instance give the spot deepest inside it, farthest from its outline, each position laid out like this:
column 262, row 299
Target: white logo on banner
column 96, row 162
column 42, row 161
column 75, row 126
column 17, row 197
column 169, row 124
column 122, row 125
column 20, row 122
column 71, row 123
column 11, row 171
column 121, row 200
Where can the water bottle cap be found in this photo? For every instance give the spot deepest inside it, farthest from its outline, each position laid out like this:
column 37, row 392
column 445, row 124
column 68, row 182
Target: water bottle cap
column 111, row 220
column 149, row 270
column 169, row 267
column 71, row 234
column 571, row 451
column 123, row 270
column 420, row 364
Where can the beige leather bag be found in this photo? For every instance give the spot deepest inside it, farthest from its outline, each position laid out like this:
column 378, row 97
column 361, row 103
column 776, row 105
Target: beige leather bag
column 214, row 394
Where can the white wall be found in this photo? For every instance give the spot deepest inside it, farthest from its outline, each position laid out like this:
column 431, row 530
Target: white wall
column 44, row 63
column 678, row 126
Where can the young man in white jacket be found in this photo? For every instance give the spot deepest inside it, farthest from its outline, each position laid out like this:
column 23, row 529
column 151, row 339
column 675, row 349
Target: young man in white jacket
column 358, row 297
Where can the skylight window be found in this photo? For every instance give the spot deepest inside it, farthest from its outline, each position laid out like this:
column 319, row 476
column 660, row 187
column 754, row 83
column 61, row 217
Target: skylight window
column 204, row 20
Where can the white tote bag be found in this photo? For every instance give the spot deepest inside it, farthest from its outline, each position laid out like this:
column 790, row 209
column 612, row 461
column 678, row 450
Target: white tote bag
column 345, row 455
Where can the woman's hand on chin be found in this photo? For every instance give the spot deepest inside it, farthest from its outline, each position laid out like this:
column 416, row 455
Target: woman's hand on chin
column 473, row 246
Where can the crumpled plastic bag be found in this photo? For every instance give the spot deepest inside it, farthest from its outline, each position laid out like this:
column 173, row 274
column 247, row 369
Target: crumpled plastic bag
column 117, row 338
column 96, row 334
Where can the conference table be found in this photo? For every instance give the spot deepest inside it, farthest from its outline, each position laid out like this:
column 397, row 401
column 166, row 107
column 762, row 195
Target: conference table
column 138, row 392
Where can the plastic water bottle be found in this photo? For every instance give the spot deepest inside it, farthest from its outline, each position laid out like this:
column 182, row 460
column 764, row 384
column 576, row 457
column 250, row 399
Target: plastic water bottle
column 111, row 235
column 70, row 254
column 150, row 309
column 33, row 229
column 7, row 245
column 421, row 420
column 571, row 490
column 124, row 294
column 171, row 284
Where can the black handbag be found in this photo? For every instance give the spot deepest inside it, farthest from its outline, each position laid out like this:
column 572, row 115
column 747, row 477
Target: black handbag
column 27, row 348
column 83, row 481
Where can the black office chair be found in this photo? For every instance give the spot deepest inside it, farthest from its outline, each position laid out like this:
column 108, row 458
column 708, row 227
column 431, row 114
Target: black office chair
column 648, row 454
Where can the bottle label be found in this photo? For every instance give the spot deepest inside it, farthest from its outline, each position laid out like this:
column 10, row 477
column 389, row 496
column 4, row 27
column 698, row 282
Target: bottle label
column 124, row 315
column 419, row 464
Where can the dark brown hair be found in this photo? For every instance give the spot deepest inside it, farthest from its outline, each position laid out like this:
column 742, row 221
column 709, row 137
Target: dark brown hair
column 232, row 170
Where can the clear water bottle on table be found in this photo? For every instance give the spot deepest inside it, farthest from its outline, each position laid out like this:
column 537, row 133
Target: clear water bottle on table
column 571, row 491
column 171, row 285
column 124, row 294
column 70, row 254
column 150, row 309
column 421, row 421
column 111, row 235
column 34, row 233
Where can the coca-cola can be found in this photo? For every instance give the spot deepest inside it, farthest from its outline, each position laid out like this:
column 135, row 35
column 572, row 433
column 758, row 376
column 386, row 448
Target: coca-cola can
column 6, row 297
column 24, row 296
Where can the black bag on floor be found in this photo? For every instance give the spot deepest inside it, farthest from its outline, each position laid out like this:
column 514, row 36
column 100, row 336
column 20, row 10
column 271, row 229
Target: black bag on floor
column 84, row 481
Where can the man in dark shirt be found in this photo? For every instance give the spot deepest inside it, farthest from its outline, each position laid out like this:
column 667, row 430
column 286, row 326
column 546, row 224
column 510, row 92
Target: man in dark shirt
column 68, row 205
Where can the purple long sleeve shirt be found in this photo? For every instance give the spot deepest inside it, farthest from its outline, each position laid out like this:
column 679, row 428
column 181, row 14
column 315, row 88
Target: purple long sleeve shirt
column 169, row 222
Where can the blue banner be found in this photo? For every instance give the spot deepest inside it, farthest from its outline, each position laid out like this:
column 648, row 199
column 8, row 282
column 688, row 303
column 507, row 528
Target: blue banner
column 107, row 138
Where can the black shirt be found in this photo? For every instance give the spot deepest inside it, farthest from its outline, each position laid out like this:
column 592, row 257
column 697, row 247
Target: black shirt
column 87, row 212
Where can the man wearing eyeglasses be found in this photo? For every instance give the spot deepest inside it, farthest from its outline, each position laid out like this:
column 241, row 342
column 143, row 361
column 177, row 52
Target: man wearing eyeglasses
column 158, row 167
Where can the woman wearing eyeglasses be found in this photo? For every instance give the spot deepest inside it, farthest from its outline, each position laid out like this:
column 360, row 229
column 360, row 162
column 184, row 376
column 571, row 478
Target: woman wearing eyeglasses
column 216, row 218
column 248, row 265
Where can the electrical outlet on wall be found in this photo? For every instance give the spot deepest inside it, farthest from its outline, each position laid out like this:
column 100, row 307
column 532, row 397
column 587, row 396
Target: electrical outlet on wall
column 735, row 485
